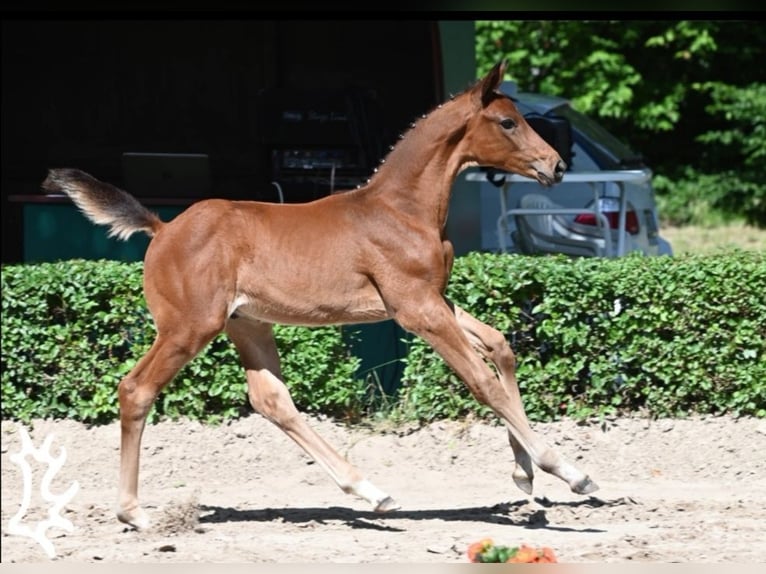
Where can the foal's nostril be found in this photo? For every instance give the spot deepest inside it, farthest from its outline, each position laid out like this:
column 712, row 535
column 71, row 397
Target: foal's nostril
column 559, row 170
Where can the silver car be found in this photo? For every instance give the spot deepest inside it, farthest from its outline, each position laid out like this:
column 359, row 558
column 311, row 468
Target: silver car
column 605, row 205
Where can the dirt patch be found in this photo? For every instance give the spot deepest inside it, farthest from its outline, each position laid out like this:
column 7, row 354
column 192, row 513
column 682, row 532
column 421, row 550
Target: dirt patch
column 671, row 490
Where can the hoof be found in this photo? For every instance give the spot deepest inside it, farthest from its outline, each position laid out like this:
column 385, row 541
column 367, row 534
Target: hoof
column 136, row 518
column 524, row 483
column 387, row 505
column 585, row 486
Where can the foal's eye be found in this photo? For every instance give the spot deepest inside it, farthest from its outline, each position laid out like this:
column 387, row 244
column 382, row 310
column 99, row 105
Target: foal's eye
column 508, row 124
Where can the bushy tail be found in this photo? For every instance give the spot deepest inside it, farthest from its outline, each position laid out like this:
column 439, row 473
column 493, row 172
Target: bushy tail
column 103, row 203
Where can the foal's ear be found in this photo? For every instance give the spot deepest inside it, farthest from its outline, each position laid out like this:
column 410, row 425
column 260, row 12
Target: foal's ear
column 491, row 82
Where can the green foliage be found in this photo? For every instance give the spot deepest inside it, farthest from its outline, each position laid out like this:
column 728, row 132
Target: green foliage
column 594, row 336
column 688, row 95
column 737, row 144
column 71, row 330
column 321, row 374
column 693, row 198
column 66, row 335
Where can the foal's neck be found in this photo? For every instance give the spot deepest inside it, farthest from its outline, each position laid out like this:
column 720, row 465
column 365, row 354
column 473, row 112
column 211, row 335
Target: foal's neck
column 417, row 176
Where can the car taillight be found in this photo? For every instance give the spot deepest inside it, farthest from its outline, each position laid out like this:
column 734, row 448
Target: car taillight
column 613, row 217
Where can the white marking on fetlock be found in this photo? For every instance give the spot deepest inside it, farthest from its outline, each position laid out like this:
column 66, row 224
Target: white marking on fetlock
column 371, row 493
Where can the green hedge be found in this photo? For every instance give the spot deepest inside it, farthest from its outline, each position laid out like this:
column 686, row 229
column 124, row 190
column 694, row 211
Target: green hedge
column 667, row 336
column 664, row 335
column 71, row 330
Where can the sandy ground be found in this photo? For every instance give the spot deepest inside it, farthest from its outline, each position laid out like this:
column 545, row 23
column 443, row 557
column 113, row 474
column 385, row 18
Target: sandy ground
column 689, row 491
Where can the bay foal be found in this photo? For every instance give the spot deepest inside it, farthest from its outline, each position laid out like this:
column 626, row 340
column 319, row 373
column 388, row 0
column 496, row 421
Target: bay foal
column 365, row 255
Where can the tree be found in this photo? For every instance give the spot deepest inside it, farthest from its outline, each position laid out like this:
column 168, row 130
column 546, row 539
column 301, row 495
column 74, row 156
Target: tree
column 688, row 95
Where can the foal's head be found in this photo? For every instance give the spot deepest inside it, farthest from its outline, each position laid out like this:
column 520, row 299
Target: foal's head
column 498, row 135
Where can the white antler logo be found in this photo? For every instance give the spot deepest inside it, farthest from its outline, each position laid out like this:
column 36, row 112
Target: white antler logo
column 57, row 502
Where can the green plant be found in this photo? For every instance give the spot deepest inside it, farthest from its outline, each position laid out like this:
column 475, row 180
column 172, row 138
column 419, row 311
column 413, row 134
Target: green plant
column 71, row 330
column 597, row 336
column 486, row 551
column 67, row 334
column 664, row 335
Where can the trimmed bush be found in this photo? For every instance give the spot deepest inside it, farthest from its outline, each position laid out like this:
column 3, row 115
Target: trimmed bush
column 666, row 336
column 71, row 330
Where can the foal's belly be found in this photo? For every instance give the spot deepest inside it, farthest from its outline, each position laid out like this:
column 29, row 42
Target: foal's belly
column 300, row 309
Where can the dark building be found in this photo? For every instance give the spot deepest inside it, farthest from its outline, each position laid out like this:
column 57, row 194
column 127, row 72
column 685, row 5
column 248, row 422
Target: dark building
column 176, row 110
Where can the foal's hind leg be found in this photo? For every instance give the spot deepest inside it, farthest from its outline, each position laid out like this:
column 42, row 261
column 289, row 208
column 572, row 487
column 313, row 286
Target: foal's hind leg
column 137, row 392
column 432, row 318
column 270, row 397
